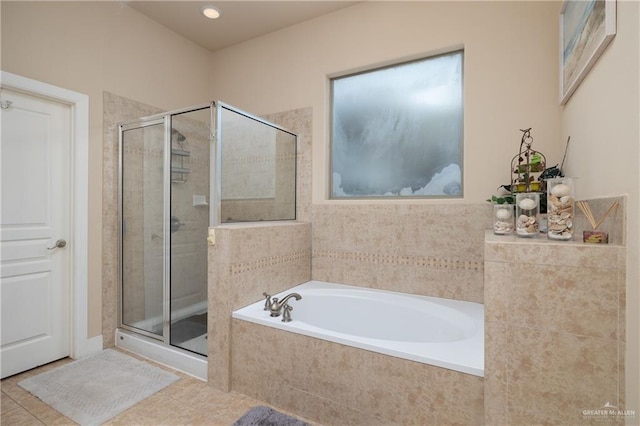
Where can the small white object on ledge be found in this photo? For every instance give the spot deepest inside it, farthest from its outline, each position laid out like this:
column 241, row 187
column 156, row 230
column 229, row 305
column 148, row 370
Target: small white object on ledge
column 200, row 200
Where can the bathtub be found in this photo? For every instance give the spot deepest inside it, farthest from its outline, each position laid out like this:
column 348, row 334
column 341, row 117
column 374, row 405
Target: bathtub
column 441, row 332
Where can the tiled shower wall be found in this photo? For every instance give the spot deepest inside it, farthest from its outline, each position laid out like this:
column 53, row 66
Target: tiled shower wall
column 142, row 154
column 188, row 242
column 300, row 122
column 258, row 173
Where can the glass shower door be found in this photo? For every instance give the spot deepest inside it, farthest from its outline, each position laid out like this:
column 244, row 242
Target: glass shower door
column 190, row 183
column 142, row 227
column 174, row 185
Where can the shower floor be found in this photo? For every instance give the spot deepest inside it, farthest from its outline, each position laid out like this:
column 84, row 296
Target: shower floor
column 191, row 333
column 197, row 344
column 188, row 328
column 188, row 332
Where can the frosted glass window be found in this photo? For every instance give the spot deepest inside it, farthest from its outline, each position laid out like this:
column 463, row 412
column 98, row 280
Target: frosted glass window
column 397, row 131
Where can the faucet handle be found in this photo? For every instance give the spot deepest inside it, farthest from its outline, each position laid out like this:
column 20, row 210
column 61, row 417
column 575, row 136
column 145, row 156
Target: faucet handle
column 286, row 314
column 267, row 301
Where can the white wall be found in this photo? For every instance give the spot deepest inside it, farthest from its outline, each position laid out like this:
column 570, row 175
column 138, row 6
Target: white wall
column 510, row 73
column 602, row 118
column 90, row 47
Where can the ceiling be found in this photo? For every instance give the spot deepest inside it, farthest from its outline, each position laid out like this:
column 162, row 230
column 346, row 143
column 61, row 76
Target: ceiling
column 240, row 21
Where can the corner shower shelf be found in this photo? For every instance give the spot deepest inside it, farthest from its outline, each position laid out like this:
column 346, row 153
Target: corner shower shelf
column 180, row 152
column 178, row 171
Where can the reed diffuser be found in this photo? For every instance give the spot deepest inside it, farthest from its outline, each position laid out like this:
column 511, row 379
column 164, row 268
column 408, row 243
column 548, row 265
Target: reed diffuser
column 595, row 235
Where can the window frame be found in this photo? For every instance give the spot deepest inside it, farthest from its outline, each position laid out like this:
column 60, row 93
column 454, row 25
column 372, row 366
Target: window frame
column 396, row 197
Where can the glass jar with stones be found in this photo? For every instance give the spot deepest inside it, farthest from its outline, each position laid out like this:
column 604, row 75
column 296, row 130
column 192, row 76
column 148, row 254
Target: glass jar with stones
column 560, row 208
column 503, row 219
column 527, row 209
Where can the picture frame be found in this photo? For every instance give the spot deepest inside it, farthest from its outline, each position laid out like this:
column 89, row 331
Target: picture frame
column 586, row 29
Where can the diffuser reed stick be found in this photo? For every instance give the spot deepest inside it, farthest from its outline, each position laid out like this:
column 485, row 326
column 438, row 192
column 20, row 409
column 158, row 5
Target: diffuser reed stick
column 584, row 206
column 612, row 208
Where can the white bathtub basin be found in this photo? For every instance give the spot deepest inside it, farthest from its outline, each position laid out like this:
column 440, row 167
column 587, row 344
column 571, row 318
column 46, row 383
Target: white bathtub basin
column 441, row 332
column 392, row 317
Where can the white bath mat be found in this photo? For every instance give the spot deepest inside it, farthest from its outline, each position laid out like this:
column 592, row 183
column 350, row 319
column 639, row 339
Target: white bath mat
column 92, row 390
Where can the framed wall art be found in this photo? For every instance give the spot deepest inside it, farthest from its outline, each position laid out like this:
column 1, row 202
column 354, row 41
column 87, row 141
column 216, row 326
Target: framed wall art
column 586, row 28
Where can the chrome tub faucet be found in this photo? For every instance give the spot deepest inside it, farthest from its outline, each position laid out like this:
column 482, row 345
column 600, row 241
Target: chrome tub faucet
column 286, row 312
column 275, row 306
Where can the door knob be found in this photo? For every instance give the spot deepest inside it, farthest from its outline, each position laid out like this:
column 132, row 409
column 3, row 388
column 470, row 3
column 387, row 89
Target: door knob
column 59, row 244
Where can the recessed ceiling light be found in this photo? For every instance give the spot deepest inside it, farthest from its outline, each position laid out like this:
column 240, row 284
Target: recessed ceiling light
column 210, row 12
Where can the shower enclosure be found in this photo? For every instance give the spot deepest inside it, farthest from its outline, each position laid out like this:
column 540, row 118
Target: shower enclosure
column 180, row 173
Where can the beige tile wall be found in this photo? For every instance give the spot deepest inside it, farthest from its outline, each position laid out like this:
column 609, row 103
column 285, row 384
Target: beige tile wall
column 336, row 384
column 258, row 173
column 299, row 121
column 247, row 260
column 142, row 240
column 434, row 250
column 554, row 334
column 188, row 243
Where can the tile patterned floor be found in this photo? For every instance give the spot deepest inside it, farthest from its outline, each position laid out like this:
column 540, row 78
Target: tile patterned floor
column 188, row 401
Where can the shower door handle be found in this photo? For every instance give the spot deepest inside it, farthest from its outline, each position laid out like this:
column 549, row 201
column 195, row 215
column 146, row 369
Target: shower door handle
column 59, row 244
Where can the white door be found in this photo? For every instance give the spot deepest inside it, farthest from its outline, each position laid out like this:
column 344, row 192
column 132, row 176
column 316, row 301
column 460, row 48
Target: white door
column 34, row 215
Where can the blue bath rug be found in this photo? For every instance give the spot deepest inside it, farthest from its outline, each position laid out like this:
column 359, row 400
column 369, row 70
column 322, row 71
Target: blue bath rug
column 94, row 389
column 265, row 416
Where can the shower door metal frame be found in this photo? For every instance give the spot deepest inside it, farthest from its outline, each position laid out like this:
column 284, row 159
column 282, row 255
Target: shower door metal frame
column 140, row 124
column 165, row 119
